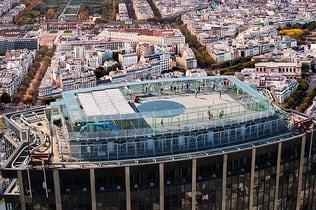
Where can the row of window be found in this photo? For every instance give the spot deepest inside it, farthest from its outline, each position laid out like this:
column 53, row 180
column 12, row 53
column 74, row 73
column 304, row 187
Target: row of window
column 278, row 70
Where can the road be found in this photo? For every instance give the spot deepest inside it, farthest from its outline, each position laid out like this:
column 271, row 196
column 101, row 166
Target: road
column 13, row 108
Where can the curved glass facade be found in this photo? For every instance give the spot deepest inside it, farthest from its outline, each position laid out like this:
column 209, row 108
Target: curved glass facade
column 278, row 175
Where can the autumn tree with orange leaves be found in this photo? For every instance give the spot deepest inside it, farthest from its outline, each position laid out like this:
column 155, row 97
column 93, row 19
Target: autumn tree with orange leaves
column 29, row 8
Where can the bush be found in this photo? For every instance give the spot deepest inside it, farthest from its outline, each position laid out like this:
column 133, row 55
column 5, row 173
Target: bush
column 5, row 98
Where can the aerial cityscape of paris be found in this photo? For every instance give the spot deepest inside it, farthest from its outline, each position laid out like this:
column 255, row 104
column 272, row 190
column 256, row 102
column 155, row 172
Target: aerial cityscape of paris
column 157, row 105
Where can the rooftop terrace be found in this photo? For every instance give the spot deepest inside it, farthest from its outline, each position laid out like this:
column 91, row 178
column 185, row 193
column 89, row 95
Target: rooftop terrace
column 144, row 105
column 147, row 121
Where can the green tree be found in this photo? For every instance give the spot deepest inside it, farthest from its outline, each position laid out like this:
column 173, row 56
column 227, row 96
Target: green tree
column 291, row 100
column 115, row 67
column 5, row 98
column 303, row 85
column 99, row 72
column 101, row 20
column 305, row 67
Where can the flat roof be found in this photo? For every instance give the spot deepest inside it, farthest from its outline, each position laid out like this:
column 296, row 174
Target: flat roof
column 105, row 102
column 114, row 99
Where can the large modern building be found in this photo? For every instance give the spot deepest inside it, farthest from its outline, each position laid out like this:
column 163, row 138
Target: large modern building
column 189, row 143
column 18, row 44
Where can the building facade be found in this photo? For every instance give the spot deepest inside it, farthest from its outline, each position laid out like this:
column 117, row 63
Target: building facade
column 18, row 44
column 289, row 70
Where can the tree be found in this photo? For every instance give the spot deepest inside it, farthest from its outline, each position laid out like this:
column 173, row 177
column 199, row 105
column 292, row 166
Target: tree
column 115, row 67
column 229, row 73
column 27, row 99
column 17, row 97
column 112, row 15
column 48, row 100
column 84, row 15
column 50, row 13
column 5, row 98
column 100, row 20
column 305, row 67
column 99, row 72
column 303, row 85
column 42, row 51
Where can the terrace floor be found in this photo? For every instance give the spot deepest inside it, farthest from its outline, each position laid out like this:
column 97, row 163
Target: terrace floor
column 211, row 108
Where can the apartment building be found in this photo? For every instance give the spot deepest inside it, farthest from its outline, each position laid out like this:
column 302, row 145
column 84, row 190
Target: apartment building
column 14, row 69
column 127, row 59
column 283, row 91
column 142, row 10
column 279, row 77
column 122, row 12
column 219, row 51
column 289, row 70
column 159, row 37
column 254, row 28
column 48, row 88
column 152, row 64
column 8, row 83
column 76, row 80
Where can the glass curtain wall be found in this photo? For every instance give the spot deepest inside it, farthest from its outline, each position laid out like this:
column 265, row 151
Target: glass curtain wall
column 110, row 188
column 209, row 183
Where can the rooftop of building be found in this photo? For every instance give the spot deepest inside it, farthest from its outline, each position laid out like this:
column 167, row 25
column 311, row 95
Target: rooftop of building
column 148, row 32
column 143, row 115
column 278, row 64
column 18, row 33
column 80, row 103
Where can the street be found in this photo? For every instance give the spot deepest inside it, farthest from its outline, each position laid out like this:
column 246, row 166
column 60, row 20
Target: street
column 13, row 108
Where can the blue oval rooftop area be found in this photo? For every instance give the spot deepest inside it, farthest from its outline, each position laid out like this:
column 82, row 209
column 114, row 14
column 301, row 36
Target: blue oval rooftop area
column 161, row 108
